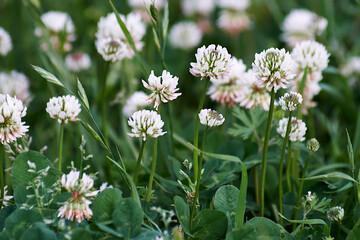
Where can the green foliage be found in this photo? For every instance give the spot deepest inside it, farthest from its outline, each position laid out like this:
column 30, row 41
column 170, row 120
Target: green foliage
column 104, row 205
column 182, row 213
column 39, row 230
column 225, row 200
column 210, row 224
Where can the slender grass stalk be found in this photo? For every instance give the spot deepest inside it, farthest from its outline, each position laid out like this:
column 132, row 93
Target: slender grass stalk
column 141, row 153
column 256, row 183
column 301, row 188
column 169, row 114
column 152, row 173
column 103, row 102
column 288, row 165
column 196, row 133
column 281, row 191
column 2, row 179
column 197, row 188
column 61, row 141
column 265, row 150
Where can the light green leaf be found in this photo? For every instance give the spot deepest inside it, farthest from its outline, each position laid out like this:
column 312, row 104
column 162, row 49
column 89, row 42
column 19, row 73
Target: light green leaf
column 48, row 76
column 82, row 94
column 333, row 175
column 308, row 221
column 104, row 204
column 93, row 133
column 226, row 199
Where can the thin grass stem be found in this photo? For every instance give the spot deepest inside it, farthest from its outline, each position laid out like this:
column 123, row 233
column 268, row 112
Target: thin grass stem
column 61, row 141
column 139, row 162
column 152, row 173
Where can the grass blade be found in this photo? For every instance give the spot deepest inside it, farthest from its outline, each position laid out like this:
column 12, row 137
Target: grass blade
column 48, row 76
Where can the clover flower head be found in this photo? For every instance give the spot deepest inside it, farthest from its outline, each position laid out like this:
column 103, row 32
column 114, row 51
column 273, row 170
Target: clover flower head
column 211, row 118
column 11, row 112
column 313, row 145
column 137, row 101
column 290, row 101
column 15, row 84
column 145, row 123
column 111, row 49
column 77, row 206
column 239, row 5
column 5, row 42
column 163, row 88
column 78, row 61
column 335, row 214
column 212, row 61
column 185, row 35
column 297, row 132
column 64, row 108
column 233, row 22
column 273, row 68
column 311, row 54
column 352, row 66
column 199, row 7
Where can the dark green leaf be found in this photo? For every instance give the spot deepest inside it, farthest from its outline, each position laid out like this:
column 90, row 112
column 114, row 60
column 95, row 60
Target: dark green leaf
column 226, row 199
column 210, row 224
column 20, row 220
column 39, row 231
column 104, row 204
column 182, row 213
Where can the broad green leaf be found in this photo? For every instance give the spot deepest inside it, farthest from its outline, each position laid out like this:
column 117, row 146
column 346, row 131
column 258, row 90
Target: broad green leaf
column 128, row 217
column 48, row 76
column 226, row 199
column 246, row 233
column 21, row 195
column 82, row 94
column 104, row 204
column 81, row 234
column 265, row 229
column 4, row 213
column 210, row 224
column 148, row 235
column 109, row 230
column 39, row 231
column 333, row 175
column 182, row 213
column 354, row 234
column 20, row 220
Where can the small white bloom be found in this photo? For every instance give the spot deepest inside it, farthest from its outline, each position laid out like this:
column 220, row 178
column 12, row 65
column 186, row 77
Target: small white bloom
column 64, row 108
column 163, row 88
column 335, row 214
column 233, row 22
column 146, row 3
column 6, row 198
column 111, row 49
column 104, row 186
column 301, row 24
column 297, row 132
column 238, row 5
column 201, row 7
column 77, row 61
column 273, row 68
column 185, row 35
column 290, row 101
column 11, row 112
column 212, row 61
column 310, row 197
column 311, row 54
column 137, row 101
column 16, row 85
column 146, row 123
column 5, row 42
column 352, row 66
column 211, row 118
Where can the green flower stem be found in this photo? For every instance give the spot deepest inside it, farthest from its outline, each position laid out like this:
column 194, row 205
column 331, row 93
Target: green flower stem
column 2, row 179
column 288, row 165
column 141, row 153
column 197, row 188
column 61, row 141
column 152, row 173
column 265, row 150
column 103, row 103
column 301, row 188
column 196, row 133
column 281, row 191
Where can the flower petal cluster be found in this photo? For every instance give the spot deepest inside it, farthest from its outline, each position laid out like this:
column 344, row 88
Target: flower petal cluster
column 11, row 112
column 239, row 5
column 64, row 108
column 137, row 101
column 141, row 7
column 5, row 42
column 297, row 132
column 163, row 88
column 145, row 123
column 109, row 31
column 351, row 67
column 6, row 197
column 199, row 7
column 185, row 35
column 301, row 24
column 335, row 214
column 252, row 92
column 233, row 22
column 273, row 68
column 290, row 101
column 211, row 118
column 78, row 61
column 77, row 207
column 15, row 84
column 212, row 61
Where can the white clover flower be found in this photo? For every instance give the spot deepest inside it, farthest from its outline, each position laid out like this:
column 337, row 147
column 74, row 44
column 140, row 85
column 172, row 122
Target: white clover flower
column 6, row 197
column 311, row 54
column 233, row 22
column 78, row 61
column 211, row 118
column 273, row 68
column 185, row 35
column 238, row 5
column 77, row 207
column 163, row 88
column 137, row 101
column 290, row 101
column 146, row 3
column 64, row 108
column 352, row 66
column 11, row 112
column 301, row 24
column 297, row 132
column 5, row 42
column 146, row 123
column 15, row 84
column 335, row 214
column 111, row 49
column 212, row 61
column 252, row 93
column 201, row 7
